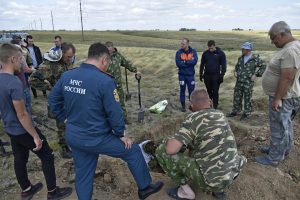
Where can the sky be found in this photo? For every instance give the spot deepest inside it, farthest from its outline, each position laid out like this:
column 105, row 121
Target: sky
column 147, row 14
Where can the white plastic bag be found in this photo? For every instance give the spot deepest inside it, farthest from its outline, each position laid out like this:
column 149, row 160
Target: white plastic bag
column 159, row 107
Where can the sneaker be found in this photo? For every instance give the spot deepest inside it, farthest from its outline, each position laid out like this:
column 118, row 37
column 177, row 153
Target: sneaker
column 232, row 114
column 219, row 195
column 244, row 117
column 151, row 189
column 264, row 160
column 34, row 189
column 59, row 193
column 183, row 110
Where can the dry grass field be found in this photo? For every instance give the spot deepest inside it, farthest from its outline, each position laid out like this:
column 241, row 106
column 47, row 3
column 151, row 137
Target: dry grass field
column 153, row 53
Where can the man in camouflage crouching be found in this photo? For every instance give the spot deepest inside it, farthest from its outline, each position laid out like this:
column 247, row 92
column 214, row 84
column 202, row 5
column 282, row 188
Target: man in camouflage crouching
column 117, row 60
column 249, row 66
column 57, row 62
column 212, row 162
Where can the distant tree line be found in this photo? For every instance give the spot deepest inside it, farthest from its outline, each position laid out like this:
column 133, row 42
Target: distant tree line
column 187, row 29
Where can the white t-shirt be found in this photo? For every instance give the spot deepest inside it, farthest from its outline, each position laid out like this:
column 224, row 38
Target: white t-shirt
column 287, row 57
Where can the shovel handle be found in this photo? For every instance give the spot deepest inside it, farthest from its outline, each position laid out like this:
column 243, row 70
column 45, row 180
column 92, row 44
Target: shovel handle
column 138, row 77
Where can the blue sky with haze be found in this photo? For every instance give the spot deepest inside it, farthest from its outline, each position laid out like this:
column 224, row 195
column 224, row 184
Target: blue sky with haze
column 146, row 15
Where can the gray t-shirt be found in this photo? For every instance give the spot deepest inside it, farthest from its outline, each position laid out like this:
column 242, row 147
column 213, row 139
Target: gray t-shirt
column 10, row 89
column 287, row 57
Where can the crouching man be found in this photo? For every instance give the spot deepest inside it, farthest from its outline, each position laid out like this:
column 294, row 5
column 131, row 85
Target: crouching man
column 212, row 163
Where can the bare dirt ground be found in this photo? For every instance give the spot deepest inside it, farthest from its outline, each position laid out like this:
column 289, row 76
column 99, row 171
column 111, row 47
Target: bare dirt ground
column 113, row 180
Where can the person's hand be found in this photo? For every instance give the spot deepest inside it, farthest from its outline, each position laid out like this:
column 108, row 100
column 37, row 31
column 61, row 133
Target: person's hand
column 38, row 143
column 253, row 77
column 127, row 141
column 276, row 104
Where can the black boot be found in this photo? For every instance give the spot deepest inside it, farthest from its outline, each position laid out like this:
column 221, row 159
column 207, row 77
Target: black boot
column 151, row 189
column 183, row 106
column 66, row 152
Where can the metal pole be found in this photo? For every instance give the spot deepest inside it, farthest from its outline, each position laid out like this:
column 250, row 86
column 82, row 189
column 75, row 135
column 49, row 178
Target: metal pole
column 41, row 24
column 52, row 21
column 81, row 21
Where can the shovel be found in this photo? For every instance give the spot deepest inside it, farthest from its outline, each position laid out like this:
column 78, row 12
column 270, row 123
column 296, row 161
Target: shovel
column 128, row 95
column 142, row 109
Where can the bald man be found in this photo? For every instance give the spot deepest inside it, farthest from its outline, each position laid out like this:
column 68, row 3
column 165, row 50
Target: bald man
column 212, row 163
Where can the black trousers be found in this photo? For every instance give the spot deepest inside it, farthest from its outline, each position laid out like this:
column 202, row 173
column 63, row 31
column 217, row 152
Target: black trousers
column 21, row 145
column 212, row 83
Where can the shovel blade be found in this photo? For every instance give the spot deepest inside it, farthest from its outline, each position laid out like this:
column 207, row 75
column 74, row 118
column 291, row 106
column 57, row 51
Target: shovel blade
column 141, row 115
column 127, row 97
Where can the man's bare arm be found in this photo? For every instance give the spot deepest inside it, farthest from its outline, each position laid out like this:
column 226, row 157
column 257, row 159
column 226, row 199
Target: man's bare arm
column 173, row 146
column 26, row 122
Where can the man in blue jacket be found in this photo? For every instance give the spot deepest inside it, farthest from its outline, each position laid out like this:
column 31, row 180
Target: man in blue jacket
column 213, row 64
column 186, row 59
column 87, row 100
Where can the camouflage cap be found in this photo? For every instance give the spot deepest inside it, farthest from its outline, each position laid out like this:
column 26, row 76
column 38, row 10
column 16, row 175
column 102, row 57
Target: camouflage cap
column 53, row 55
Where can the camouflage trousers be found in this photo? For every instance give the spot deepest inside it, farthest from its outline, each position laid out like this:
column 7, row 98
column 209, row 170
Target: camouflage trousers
column 281, row 128
column 243, row 90
column 122, row 100
column 181, row 168
column 61, row 134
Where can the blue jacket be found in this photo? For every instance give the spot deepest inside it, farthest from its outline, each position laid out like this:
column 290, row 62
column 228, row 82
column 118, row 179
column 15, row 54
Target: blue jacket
column 186, row 61
column 88, row 99
column 213, row 63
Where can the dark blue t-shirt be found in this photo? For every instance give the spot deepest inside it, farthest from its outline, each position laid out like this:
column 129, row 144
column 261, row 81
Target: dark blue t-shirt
column 10, row 89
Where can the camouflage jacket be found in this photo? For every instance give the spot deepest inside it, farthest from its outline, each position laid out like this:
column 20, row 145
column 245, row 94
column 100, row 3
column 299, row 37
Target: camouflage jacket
column 50, row 71
column 115, row 67
column 209, row 137
column 255, row 65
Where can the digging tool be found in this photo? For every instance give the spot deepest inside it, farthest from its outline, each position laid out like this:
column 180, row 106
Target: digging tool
column 128, row 95
column 141, row 113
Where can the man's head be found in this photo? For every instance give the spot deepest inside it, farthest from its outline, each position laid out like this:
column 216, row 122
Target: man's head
column 17, row 39
column 200, row 100
column 211, row 45
column 68, row 52
column 57, row 41
column 280, row 34
column 11, row 57
column 110, row 47
column 246, row 48
column 98, row 55
column 30, row 40
column 184, row 44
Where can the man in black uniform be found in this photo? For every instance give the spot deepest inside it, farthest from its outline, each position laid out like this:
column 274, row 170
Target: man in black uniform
column 213, row 63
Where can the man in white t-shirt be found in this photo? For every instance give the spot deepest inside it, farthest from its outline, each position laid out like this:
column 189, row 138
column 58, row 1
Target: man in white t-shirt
column 281, row 83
